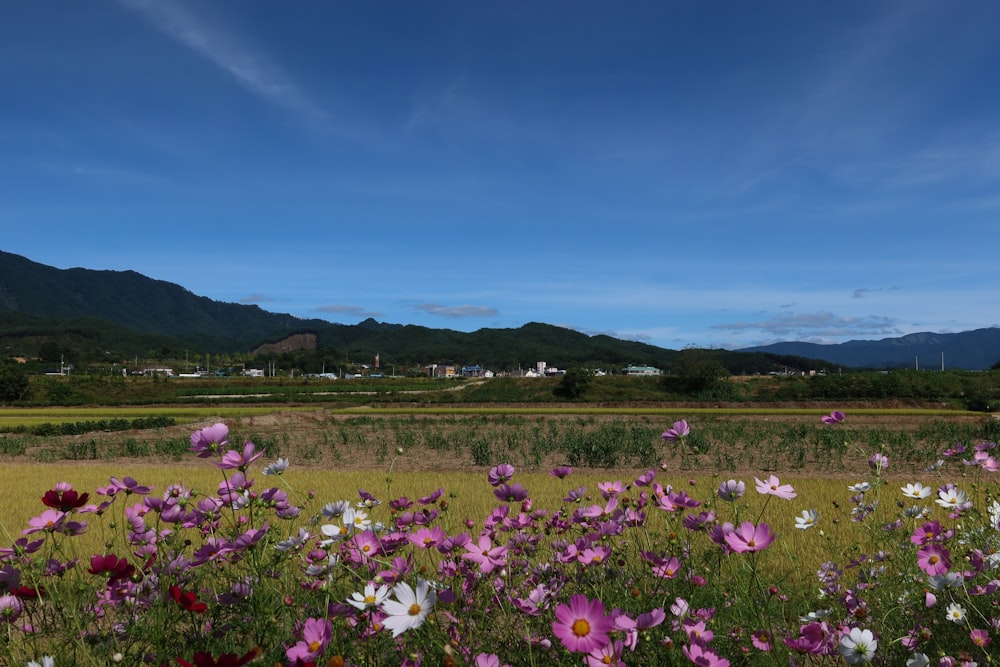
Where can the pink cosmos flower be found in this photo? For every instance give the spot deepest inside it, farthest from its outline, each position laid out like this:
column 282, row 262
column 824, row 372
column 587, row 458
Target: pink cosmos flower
column 679, row 431
column 208, row 440
column 594, row 555
column 581, row 625
column 233, row 460
column 702, row 656
column 488, row 660
column 748, row 538
column 500, row 474
column 561, row 471
column 772, row 486
column 731, row 490
column 607, row 655
column 128, row 485
column 49, row 520
column 425, row 537
column 934, row 559
column 487, row 556
column 316, row 635
column 834, row 417
column 10, row 608
column 980, row 638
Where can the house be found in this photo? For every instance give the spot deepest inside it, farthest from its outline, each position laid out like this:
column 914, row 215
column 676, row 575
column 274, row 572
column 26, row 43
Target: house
column 441, row 370
column 641, row 371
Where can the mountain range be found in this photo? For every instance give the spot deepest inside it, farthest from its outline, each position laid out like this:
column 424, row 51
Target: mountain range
column 127, row 313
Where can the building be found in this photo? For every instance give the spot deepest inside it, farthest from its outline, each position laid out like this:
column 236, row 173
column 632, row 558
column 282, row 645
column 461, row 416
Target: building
column 641, row 371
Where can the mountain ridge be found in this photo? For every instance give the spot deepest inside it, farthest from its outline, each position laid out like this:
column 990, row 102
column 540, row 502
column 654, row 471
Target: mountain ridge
column 36, row 298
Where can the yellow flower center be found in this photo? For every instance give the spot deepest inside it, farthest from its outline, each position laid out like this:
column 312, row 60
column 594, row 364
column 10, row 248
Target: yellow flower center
column 314, row 646
column 369, row 599
column 415, row 609
column 581, row 628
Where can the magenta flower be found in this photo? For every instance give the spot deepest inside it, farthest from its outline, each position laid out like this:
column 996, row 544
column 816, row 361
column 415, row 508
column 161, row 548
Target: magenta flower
column 834, row 417
column 128, row 485
column 511, row 493
column 702, row 656
column 934, row 559
column 500, row 474
column 679, row 431
column 747, row 537
column 581, row 625
column 488, row 660
column 561, row 471
column 10, row 608
column 483, row 553
column 316, row 635
column 425, row 537
column 878, row 462
column 731, row 490
column 771, row 486
column 607, row 655
column 208, row 440
column 49, row 520
column 980, row 638
column 233, row 460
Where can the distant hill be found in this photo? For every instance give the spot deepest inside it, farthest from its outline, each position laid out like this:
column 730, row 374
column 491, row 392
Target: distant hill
column 970, row 350
column 124, row 313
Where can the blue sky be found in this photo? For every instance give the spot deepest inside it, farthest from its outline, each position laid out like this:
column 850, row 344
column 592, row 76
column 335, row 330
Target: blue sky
column 717, row 174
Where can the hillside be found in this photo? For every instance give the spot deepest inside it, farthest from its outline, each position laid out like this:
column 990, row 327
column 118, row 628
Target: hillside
column 123, row 314
column 970, row 350
column 120, row 314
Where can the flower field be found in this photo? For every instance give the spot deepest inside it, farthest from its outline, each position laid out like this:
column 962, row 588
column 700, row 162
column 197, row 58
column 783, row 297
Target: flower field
column 241, row 556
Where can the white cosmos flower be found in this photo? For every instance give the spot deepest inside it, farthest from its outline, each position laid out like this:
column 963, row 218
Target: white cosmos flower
column 918, row 660
column 410, row 608
column 955, row 613
column 333, row 532
column 356, row 519
column 858, row 646
column 994, row 511
column 918, row 491
column 952, row 498
column 47, row 661
column 860, row 487
column 276, row 468
column 372, row 597
column 807, row 520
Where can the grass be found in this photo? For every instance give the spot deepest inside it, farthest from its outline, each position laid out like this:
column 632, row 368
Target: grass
column 633, row 545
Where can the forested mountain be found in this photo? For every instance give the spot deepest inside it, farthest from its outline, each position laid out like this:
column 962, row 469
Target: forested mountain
column 121, row 314
column 972, row 350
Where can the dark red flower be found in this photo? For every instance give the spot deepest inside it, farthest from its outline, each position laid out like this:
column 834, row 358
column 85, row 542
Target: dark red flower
column 28, row 592
column 224, row 660
column 190, row 602
column 64, row 500
column 116, row 568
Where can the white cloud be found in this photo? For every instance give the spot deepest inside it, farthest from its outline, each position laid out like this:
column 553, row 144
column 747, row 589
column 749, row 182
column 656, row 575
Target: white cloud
column 350, row 311
column 456, row 311
column 252, row 71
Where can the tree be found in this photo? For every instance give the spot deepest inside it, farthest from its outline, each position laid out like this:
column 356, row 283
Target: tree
column 695, row 370
column 13, row 382
column 574, row 383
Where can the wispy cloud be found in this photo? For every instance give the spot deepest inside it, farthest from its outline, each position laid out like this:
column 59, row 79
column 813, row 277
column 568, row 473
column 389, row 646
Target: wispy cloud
column 256, row 297
column 456, row 311
column 862, row 292
column 348, row 311
column 811, row 325
column 253, row 71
